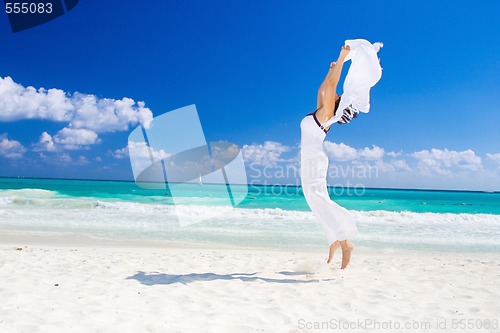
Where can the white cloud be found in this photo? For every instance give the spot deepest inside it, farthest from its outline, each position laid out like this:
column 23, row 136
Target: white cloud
column 339, row 151
column 63, row 159
column 72, row 138
column 106, row 114
column 401, row 164
column 374, row 167
column 494, row 157
column 78, row 110
column 343, row 152
column 140, row 150
column 10, row 149
column 140, row 155
column 46, row 143
column 376, row 153
column 441, row 161
column 267, row 154
column 383, row 167
column 120, row 153
column 18, row 102
column 86, row 115
column 394, row 154
column 67, row 138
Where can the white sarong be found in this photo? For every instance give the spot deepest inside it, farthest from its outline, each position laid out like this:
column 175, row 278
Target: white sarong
column 363, row 74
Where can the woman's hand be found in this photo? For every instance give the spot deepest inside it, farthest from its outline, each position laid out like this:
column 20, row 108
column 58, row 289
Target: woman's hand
column 345, row 51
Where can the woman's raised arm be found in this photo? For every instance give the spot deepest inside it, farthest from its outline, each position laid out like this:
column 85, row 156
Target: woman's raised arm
column 321, row 90
column 328, row 88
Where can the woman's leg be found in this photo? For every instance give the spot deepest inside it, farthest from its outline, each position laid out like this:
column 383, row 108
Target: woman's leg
column 333, row 247
column 347, row 249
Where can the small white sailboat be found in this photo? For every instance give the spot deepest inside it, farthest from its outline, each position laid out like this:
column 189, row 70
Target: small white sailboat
column 199, row 181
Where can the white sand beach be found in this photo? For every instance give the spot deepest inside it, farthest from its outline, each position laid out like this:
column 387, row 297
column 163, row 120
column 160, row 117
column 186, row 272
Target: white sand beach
column 61, row 284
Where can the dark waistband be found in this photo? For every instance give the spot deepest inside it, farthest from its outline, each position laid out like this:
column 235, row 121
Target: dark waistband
column 317, row 121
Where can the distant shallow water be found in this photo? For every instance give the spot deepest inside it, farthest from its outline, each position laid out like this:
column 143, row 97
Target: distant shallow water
column 268, row 217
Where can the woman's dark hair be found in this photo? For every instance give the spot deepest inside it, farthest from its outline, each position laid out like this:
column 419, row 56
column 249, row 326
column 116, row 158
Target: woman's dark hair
column 337, row 105
column 348, row 113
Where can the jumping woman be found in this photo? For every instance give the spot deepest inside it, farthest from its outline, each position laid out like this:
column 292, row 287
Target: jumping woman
column 335, row 220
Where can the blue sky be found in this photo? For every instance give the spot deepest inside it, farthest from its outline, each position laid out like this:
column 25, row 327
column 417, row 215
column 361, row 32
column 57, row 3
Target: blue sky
column 253, row 69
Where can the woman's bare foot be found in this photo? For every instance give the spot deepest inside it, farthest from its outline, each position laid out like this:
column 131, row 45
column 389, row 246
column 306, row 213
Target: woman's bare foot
column 335, row 245
column 347, row 248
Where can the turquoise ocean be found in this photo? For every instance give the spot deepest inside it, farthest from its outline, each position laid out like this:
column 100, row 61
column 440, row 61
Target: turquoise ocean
column 269, row 217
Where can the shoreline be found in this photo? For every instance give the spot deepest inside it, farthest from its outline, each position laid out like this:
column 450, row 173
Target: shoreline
column 64, row 241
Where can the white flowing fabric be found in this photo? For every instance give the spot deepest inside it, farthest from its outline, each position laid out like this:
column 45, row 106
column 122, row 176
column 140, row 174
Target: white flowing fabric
column 364, row 73
column 335, row 220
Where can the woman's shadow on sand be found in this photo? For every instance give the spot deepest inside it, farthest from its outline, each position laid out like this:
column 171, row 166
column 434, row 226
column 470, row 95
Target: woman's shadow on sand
column 155, row 278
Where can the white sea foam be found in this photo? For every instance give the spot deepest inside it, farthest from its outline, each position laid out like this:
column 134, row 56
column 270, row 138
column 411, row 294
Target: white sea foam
column 34, row 198
column 33, row 209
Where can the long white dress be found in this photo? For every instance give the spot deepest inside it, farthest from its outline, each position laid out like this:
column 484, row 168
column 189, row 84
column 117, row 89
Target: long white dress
column 364, row 73
column 335, row 220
